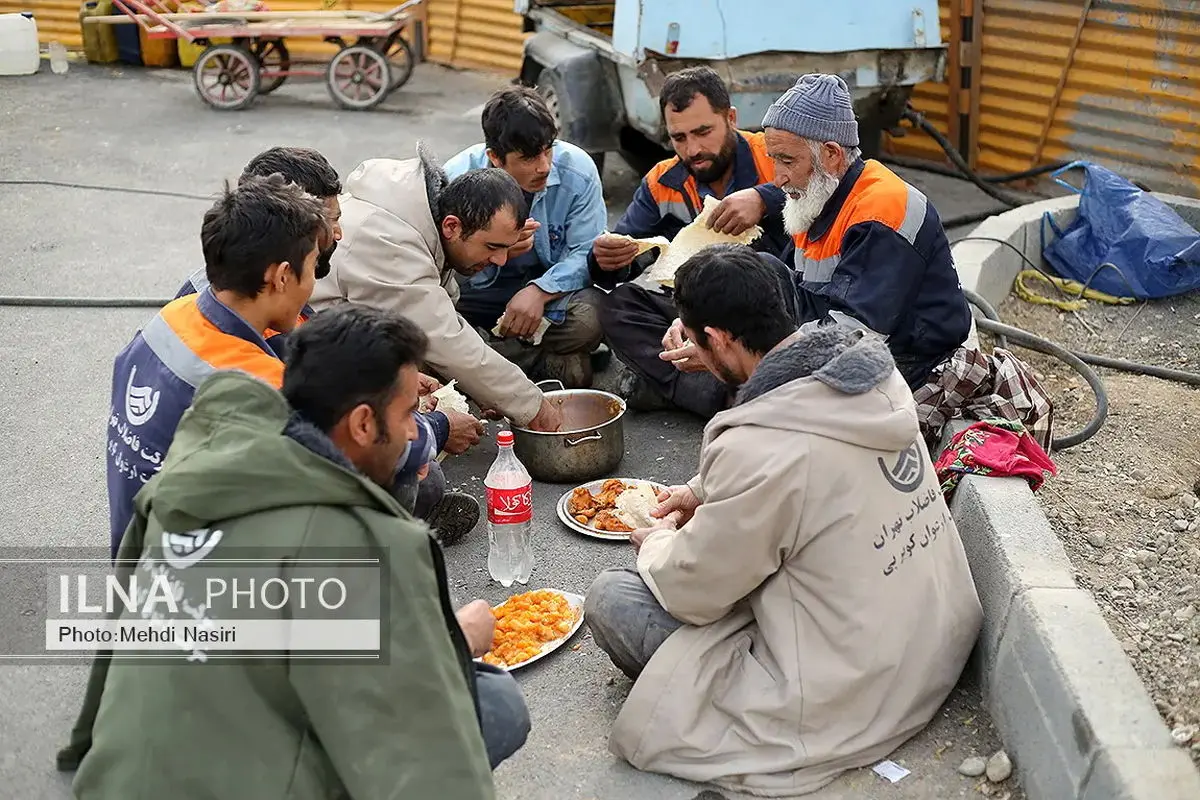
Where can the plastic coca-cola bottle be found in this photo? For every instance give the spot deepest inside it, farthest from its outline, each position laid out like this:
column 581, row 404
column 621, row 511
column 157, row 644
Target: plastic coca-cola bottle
column 510, row 515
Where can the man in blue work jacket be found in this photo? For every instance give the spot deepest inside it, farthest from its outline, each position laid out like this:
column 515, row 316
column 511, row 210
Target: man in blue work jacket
column 452, row 514
column 260, row 248
column 546, row 275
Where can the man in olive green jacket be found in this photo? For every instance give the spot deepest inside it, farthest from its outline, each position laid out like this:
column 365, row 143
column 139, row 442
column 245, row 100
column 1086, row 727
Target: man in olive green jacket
column 256, row 474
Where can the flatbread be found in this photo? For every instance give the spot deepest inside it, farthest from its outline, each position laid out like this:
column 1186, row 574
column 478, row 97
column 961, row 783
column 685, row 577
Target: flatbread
column 536, row 339
column 634, row 506
column 691, row 240
column 448, row 399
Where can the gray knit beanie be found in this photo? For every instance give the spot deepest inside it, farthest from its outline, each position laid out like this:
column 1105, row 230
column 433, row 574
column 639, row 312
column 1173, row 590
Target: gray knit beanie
column 818, row 107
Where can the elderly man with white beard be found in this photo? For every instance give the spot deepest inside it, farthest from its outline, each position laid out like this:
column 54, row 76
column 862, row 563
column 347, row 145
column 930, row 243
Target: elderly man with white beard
column 868, row 249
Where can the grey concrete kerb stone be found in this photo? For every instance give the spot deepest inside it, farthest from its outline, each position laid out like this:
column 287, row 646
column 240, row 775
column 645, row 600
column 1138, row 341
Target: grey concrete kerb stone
column 1071, row 710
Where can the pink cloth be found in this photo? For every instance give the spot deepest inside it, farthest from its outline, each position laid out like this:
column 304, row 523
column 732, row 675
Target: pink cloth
column 996, row 447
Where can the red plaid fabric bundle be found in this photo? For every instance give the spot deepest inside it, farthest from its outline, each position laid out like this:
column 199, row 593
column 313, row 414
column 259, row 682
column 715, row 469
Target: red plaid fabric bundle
column 973, row 385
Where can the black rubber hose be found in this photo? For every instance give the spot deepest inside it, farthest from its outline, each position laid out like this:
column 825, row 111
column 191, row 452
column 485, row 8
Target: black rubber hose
column 917, row 119
column 938, row 169
column 122, row 189
column 1028, row 340
column 33, row 301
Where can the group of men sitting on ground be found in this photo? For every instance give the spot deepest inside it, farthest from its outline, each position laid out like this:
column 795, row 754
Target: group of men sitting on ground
column 802, row 606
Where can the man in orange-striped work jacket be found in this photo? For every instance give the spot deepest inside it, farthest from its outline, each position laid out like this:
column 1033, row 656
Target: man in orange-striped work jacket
column 260, row 244
column 869, row 249
column 713, row 158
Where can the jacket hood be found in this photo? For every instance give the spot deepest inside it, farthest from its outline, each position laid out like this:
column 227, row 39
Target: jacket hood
column 406, row 189
column 240, row 450
column 834, row 382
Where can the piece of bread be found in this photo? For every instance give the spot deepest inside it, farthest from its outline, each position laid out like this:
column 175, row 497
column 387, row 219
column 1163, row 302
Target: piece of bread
column 634, row 506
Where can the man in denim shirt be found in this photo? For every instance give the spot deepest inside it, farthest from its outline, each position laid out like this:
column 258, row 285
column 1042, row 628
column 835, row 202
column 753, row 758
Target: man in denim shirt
column 546, row 275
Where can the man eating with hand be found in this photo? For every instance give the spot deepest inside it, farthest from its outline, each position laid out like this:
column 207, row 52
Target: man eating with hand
column 803, row 605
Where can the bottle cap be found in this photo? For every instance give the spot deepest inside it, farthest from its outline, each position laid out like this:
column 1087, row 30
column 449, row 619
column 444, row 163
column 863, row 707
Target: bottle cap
column 504, row 438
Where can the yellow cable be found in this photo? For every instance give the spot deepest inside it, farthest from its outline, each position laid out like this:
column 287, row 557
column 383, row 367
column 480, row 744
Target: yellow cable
column 1069, row 287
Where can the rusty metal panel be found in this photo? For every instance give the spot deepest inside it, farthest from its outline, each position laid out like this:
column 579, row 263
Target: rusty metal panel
column 57, row 20
column 932, row 100
column 480, row 34
column 1129, row 100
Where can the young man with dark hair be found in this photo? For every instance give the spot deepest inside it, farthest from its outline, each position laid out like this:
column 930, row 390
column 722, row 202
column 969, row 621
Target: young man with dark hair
column 452, row 514
column 260, row 251
column 712, row 157
column 285, row 478
column 311, row 172
column 810, row 572
column 546, row 274
column 407, row 233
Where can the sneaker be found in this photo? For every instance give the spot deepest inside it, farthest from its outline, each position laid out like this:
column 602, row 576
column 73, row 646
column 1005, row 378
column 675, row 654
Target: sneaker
column 454, row 516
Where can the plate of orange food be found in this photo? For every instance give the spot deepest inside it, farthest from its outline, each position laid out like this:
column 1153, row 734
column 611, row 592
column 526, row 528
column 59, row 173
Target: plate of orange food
column 609, row 509
column 532, row 625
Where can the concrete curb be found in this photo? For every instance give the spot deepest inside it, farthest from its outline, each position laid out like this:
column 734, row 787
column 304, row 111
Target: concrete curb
column 1071, row 710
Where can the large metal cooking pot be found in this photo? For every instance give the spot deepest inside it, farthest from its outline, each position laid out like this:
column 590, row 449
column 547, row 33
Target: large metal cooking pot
column 589, row 445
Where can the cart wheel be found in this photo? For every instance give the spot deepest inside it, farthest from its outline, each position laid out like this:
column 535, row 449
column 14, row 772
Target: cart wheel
column 400, row 56
column 226, row 77
column 272, row 55
column 359, row 77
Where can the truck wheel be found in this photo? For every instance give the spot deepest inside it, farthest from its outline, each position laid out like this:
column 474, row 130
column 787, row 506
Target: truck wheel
column 549, row 88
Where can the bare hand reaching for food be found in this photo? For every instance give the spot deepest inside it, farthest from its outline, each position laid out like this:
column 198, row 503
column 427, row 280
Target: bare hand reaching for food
column 525, row 243
column 613, row 252
column 676, row 499
column 548, row 419
column 738, row 213
column 427, row 385
column 465, row 432
column 669, row 522
column 478, row 626
column 679, row 351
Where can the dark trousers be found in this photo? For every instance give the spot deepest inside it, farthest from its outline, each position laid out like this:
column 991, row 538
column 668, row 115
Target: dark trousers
column 634, row 322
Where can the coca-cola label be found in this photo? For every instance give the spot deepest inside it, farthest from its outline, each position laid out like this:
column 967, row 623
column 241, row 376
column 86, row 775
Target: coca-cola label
column 510, row 506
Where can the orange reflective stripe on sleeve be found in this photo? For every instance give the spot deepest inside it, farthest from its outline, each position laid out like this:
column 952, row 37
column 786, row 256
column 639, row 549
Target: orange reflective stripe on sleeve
column 879, row 195
column 671, row 201
column 209, row 345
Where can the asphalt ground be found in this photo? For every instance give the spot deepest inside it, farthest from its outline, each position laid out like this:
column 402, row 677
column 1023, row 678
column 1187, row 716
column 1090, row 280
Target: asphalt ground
column 146, row 129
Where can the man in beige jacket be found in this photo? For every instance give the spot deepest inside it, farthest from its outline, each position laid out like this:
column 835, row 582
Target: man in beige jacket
column 804, row 605
column 406, row 231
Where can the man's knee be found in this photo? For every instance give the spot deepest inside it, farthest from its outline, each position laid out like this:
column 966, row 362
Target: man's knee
column 504, row 716
column 612, row 308
column 430, row 491
column 581, row 331
column 609, row 598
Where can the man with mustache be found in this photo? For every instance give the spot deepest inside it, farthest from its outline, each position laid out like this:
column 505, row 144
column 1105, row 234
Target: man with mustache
column 869, row 249
column 546, row 274
column 451, row 514
column 408, row 232
column 712, row 157
column 314, row 174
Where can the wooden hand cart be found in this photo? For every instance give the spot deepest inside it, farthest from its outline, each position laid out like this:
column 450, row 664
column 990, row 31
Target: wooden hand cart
column 373, row 59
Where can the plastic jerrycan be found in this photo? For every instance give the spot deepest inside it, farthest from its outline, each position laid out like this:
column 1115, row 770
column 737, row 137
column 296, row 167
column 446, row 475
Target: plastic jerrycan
column 99, row 41
column 19, row 50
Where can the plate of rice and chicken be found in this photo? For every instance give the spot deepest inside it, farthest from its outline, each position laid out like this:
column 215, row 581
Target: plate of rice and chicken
column 611, row 508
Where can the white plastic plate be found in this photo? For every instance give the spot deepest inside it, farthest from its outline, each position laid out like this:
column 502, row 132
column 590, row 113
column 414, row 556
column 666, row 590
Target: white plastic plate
column 576, row 602
column 587, row 530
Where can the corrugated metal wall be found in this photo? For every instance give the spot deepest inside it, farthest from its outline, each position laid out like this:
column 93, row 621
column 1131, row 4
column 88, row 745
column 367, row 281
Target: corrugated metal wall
column 1129, row 97
column 57, row 20
column 481, row 34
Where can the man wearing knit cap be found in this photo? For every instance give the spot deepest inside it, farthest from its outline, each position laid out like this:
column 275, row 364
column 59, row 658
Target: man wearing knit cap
column 869, row 249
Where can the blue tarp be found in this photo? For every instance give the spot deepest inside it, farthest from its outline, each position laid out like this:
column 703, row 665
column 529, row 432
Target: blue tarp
column 1155, row 252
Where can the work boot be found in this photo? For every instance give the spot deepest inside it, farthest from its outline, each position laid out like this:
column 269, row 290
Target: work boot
column 574, row 371
column 454, row 516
